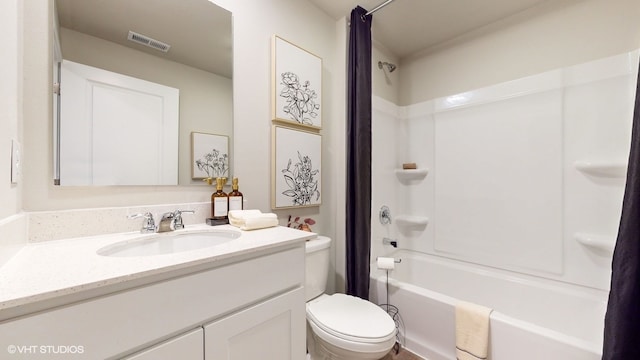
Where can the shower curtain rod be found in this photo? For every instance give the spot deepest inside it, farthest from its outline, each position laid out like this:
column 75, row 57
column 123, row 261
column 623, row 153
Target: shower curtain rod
column 378, row 8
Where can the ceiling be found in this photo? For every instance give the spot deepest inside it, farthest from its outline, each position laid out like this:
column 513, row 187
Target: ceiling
column 405, row 27
column 203, row 39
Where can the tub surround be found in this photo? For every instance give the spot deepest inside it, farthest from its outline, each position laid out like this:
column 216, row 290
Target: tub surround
column 545, row 153
column 70, row 270
column 520, row 208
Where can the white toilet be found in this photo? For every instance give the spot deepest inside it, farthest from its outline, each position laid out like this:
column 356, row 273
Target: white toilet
column 340, row 326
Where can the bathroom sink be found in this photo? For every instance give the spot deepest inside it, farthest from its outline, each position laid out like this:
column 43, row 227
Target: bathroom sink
column 168, row 243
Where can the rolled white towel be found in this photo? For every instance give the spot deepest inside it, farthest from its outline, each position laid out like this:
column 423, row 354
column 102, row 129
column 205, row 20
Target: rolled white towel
column 472, row 331
column 260, row 222
column 238, row 217
column 252, row 219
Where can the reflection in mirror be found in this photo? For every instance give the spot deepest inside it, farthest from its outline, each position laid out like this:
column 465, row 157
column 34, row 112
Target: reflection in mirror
column 120, row 143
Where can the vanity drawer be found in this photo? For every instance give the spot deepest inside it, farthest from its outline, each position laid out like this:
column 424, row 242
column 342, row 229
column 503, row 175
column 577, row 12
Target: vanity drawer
column 124, row 322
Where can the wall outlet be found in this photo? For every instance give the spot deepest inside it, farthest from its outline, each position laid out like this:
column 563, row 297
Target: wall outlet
column 16, row 161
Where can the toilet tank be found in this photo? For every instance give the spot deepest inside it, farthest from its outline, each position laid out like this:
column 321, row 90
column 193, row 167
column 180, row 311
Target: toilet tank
column 317, row 266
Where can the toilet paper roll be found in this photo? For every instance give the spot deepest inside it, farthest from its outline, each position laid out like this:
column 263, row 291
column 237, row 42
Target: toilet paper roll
column 386, row 263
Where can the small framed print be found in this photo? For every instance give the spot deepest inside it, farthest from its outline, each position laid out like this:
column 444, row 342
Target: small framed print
column 296, row 168
column 209, row 156
column 296, row 85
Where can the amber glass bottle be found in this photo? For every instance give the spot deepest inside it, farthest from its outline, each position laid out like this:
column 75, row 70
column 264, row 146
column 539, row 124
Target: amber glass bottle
column 235, row 196
column 219, row 201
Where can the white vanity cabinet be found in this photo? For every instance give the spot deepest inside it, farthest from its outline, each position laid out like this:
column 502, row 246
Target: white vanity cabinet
column 250, row 306
column 184, row 347
column 265, row 331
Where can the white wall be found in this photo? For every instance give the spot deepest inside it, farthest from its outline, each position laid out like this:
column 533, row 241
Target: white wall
column 558, row 34
column 385, row 84
column 306, row 26
column 12, row 221
column 10, row 72
column 254, row 24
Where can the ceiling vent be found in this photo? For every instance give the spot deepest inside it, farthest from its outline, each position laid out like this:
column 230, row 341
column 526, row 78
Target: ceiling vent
column 147, row 41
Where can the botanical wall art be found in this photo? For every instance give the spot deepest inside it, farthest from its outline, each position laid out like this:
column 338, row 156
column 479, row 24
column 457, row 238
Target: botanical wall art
column 297, row 84
column 209, row 156
column 296, row 168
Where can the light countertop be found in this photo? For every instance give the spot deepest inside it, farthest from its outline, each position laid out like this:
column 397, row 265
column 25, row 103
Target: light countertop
column 42, row 272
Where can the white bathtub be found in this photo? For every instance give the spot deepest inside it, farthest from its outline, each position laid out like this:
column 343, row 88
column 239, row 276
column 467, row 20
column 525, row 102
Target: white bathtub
column 533, row 318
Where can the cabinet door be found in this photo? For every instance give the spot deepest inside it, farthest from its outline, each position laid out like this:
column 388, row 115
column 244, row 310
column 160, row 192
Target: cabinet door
column 188, row 346
column 271, row 330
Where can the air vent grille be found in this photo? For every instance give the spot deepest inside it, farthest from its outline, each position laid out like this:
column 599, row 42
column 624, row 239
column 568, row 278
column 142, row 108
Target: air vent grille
column 147, row 41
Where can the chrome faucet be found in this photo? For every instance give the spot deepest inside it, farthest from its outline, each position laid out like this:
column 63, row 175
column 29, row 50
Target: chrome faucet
column 171, row 221
column 149, row 225
column 385, row 215
column 177, row 218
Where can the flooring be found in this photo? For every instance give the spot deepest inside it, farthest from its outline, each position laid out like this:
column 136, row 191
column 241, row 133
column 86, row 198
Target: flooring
column 402, row 355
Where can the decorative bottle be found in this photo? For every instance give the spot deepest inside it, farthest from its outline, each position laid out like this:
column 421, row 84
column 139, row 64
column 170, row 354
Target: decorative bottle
column 219, row 201
column 235, row 196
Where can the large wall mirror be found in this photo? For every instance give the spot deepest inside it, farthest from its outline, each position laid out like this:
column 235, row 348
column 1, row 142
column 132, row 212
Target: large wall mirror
column 129, row 111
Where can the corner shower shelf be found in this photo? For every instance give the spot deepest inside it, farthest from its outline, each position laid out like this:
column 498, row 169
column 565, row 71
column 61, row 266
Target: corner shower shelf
column 602, row 169
column 412, row 221
column 596, row 242
column 411, row 174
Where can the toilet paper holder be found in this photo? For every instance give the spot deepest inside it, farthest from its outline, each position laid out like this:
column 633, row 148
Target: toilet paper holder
column 397, row 261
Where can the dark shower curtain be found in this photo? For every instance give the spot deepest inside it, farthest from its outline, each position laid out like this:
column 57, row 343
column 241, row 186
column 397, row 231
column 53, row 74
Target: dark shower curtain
column 622, row 321
column 358, row 221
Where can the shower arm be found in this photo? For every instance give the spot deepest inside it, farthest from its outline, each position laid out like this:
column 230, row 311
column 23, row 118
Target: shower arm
column 391, row 67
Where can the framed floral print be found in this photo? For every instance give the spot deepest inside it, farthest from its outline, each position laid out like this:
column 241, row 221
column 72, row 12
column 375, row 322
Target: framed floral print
column 297, row 85
column 209, row 156
column 296, row 168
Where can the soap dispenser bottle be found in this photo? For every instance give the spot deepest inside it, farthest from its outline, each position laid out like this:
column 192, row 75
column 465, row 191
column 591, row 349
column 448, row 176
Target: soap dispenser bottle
column 235, row 196
column 219, row 201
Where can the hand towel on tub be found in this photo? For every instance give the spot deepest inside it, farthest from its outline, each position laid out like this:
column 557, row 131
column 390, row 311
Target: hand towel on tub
column 252, row 219
column 472, row 331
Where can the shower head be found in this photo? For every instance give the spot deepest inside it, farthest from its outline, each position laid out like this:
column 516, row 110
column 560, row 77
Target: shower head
column 390, row 67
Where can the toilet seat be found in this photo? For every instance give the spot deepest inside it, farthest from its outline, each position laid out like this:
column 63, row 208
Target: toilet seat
column 351, row 323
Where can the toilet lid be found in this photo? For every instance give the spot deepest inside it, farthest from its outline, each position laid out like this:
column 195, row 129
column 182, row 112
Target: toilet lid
column 345, row 315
